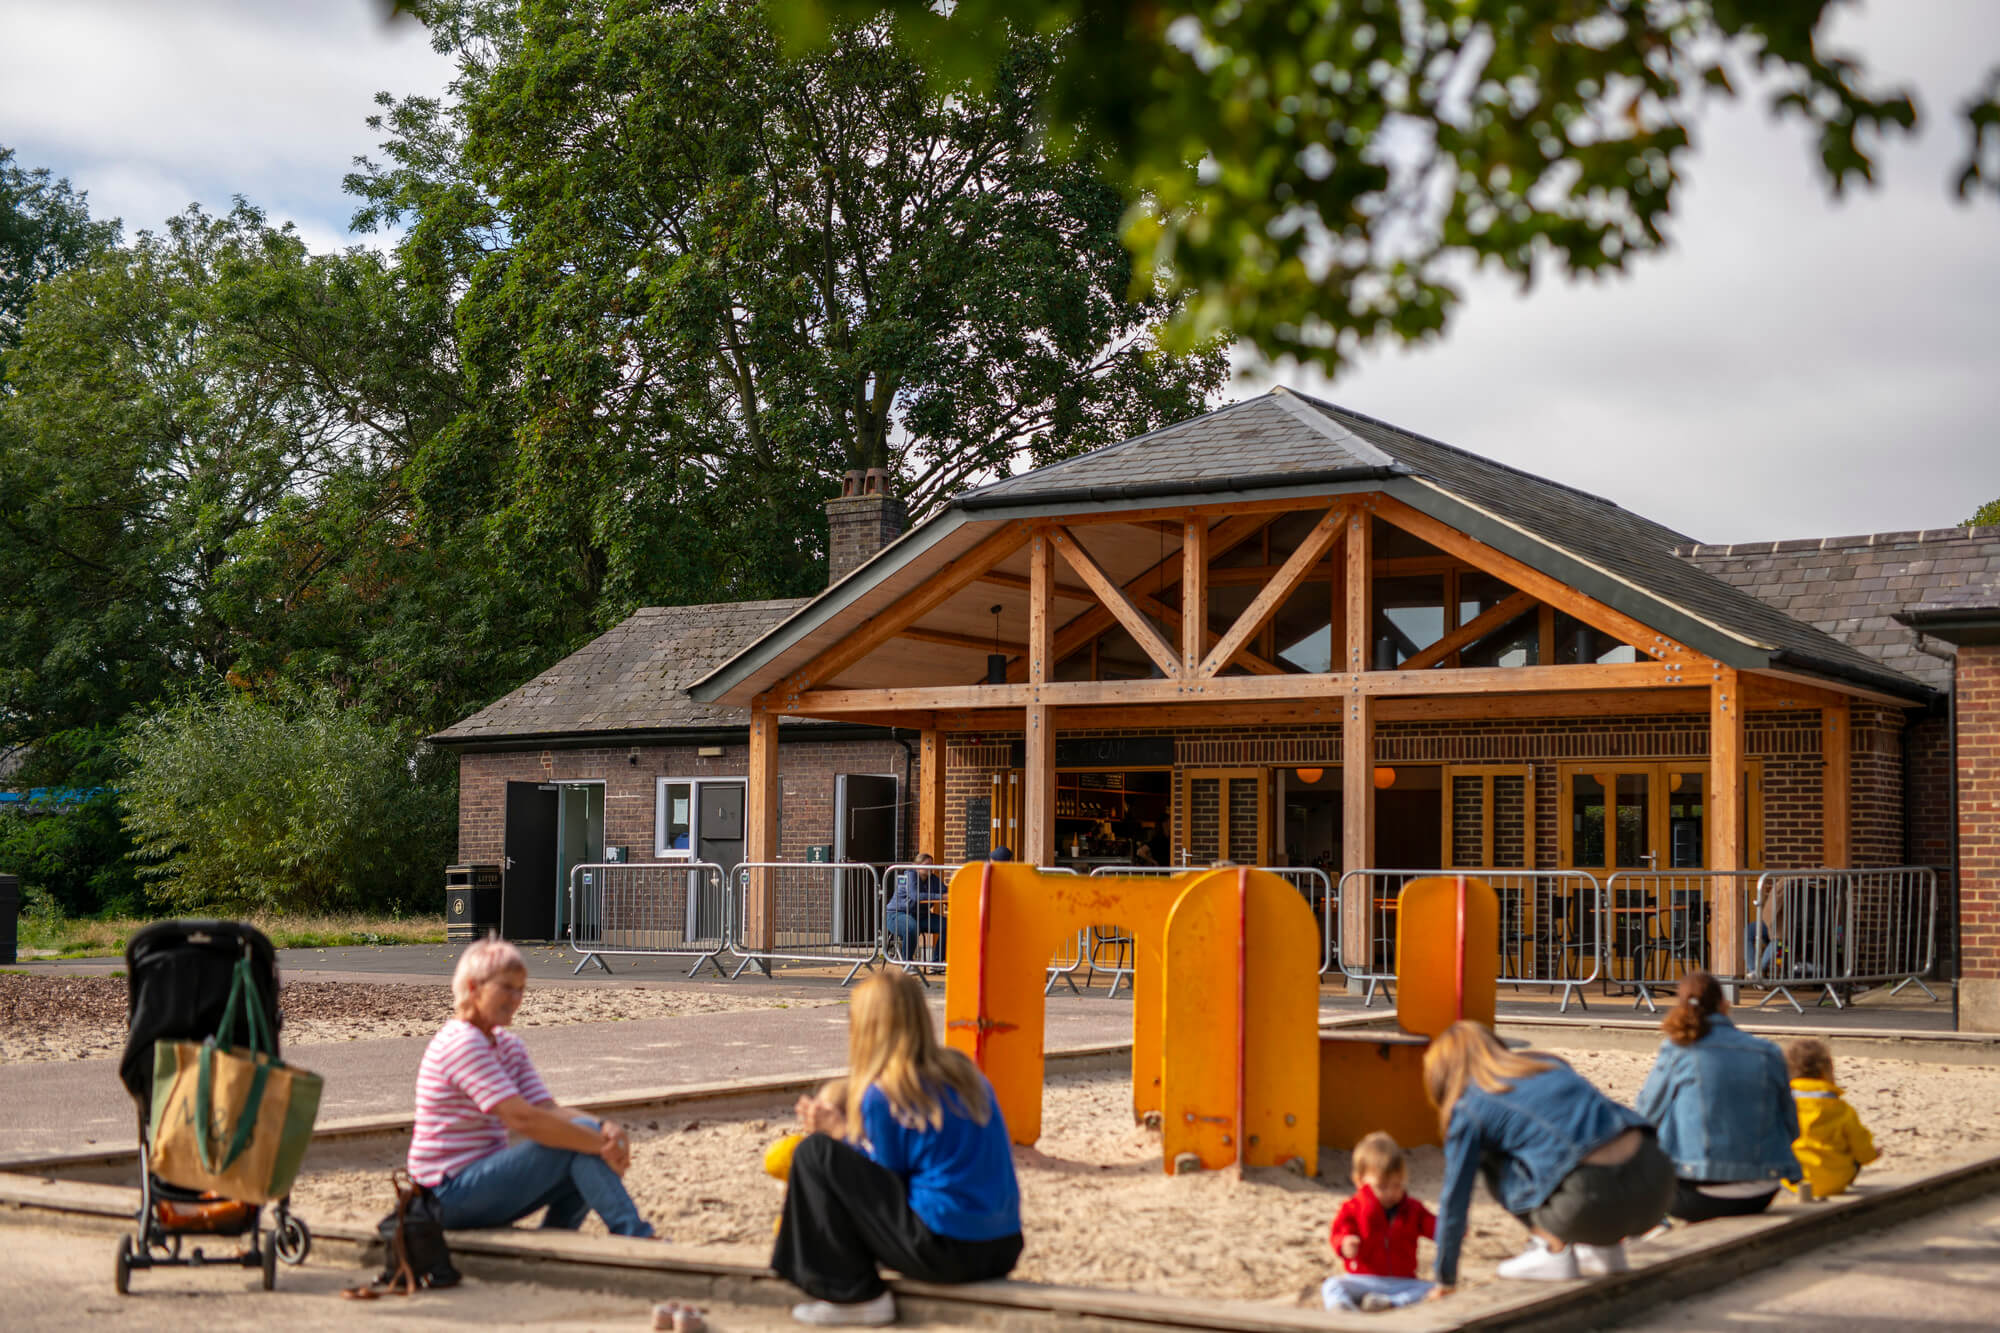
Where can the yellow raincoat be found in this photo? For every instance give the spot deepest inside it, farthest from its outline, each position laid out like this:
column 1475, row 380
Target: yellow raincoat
column 1833, row 1144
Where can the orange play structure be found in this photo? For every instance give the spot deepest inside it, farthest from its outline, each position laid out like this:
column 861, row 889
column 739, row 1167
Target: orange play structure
column 1226, row 1047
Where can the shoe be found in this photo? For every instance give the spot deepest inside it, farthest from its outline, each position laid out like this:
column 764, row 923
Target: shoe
column 860, row 1314
column 1375, row 1302
column 1601, row 1260
column 1539, row 1263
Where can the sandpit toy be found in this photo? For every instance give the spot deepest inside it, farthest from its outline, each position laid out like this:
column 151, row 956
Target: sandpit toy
column 1226, row 1048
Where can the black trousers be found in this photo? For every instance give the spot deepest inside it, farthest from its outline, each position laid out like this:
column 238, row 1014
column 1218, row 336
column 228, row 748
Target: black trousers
column 844, row 1215
column 1691, row 1205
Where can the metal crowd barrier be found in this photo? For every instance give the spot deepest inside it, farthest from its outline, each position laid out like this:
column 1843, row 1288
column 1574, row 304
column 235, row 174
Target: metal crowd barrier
column 1553, row 927
column 892, row 945
column 1661, row 923
column 821, row 912
column 1835, row 930
column 672, row 909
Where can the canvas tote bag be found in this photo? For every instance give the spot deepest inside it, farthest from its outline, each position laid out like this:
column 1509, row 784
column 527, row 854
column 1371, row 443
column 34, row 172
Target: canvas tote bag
column 231, row 1119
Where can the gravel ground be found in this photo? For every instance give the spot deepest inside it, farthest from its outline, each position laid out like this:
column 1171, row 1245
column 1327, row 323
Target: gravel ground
column 1099, row 1211
column 81, row 1018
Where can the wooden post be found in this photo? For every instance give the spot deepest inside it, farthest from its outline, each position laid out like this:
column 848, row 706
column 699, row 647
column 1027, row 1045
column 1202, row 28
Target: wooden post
column 1038, row 789
column 1725, row 820
column 1194, row 594
column 1041, row 581
column 1835, row 742
column 930, row 793
column 1357, row 749
column 760, row 830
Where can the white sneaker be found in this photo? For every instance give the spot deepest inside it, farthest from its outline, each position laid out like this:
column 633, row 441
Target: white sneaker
column 1375, row 1303
column 1601, row 1260
column 860, row 1314
column 1539, row 1263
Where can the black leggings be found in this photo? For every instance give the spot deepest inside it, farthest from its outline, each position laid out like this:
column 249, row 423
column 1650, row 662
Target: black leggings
column 844, row 1215
column 1691, row 1205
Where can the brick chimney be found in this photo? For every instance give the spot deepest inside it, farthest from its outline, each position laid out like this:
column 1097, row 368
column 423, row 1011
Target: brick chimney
column 861, row 521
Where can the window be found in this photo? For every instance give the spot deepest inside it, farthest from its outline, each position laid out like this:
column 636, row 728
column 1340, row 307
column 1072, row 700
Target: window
column 688, row 810
column 673, row 822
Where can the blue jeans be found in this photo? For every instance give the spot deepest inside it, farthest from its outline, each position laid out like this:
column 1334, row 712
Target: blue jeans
column 906, row 927
column 499, row 1190
column 1345, row 1291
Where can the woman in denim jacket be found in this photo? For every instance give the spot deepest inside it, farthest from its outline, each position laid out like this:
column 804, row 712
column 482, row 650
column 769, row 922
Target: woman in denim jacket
column 1723, row 1102
column 1580, row 1170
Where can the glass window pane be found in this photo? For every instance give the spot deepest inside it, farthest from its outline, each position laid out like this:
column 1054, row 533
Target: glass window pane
column 1409, row 612
column 1578, row 642
column 1302, row 631
column 1479, row 591
column 677, row 815
column 1634, row 823
column 1685, row 842
column 1517, row 643
column 1586, row 821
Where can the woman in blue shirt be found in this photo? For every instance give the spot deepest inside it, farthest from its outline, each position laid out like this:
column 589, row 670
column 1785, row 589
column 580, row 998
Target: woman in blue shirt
column 922, row 1181
column 1723, row 1102
column 1581, row 1171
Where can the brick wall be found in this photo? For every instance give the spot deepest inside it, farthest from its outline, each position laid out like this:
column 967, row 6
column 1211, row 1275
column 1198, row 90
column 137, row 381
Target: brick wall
column 857, row 527
column 1978, row 702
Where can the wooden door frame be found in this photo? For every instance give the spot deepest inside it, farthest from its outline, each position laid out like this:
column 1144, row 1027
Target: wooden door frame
column 1658, row 773
column 1487, row 772
column 1183, row 811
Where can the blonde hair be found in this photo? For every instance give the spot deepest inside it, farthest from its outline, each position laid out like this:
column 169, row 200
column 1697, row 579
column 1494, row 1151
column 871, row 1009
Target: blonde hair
column 482, row 961
column 890, row 1044
column 1468, row 1052
column 1809, row 1057
column 1376, row 1157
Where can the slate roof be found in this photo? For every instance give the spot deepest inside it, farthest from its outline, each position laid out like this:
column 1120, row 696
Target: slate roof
column 1854, row 587
column 1621, row 558
column 629, row 678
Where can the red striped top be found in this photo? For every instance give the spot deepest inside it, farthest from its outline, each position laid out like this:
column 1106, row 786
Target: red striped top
column 464, row 1075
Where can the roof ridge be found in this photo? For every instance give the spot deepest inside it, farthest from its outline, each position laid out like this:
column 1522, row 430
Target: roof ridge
column 1114, row 447
column 1863, row 540
column 1322, row 424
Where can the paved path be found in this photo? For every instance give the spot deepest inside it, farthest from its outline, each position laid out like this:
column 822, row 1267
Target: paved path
column 75, row 1106
column 1940, row 1274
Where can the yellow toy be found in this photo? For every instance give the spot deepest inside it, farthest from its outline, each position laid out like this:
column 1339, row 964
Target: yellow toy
column 778, row 1157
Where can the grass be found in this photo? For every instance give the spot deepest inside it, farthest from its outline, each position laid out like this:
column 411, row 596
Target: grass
column 64, row 937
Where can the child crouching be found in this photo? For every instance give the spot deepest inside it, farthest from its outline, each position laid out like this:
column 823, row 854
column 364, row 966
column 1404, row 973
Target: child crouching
column 1375, row 1234
column 1833, row 1145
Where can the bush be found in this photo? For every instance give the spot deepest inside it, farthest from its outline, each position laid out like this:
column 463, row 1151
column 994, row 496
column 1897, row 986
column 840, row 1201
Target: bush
column 78, row 856
column 241, row 804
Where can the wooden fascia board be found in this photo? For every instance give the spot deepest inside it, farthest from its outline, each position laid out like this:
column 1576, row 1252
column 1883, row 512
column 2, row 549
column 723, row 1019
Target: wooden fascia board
column 1113, row 599
column 1471, row 632
column 1780, row 681
column 1283, row 584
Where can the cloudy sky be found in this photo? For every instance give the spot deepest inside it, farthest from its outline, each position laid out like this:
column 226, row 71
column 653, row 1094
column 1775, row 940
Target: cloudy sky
column 1794, row 368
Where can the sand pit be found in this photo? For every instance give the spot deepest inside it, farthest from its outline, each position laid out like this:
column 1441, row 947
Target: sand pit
column 82, row 1018
column 1099, row 1212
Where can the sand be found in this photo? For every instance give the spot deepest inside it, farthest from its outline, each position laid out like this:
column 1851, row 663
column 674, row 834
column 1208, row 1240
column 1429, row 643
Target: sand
column 82, row 1018
column 1099, row 1212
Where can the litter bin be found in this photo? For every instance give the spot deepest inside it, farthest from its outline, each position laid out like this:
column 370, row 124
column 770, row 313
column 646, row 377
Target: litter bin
column 10, row 917
column 471, row 901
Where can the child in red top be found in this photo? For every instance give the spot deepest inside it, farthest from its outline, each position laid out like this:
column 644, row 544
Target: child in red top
column 1375, row 1234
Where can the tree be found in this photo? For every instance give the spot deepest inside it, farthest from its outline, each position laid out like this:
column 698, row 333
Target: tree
column 706, row 281
column 237, row 803
column 1314, row 174
column 1988, row 513
column 45, row 229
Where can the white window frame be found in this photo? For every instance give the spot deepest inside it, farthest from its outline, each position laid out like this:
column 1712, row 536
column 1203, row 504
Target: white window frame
column 694, row 785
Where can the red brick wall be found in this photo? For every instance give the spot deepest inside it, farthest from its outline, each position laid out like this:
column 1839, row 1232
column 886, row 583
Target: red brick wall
column 1978, row 691
column 1877, row 778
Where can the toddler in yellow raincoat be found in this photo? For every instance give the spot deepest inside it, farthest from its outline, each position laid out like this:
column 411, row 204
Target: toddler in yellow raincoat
column 1833, row 1145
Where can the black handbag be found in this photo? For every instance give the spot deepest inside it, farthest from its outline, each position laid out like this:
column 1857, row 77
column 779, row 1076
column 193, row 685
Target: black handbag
column 413, row 1238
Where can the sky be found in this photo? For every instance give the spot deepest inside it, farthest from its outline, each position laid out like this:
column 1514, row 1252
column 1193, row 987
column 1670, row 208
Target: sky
column 1792, row 368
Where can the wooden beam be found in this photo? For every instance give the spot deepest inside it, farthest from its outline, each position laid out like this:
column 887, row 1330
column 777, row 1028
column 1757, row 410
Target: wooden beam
column 1357, row 826
column 1601, row 703
column 1194, row 594
column 1357, row 555
column 1683, row 701
column 1471, row 632
column 1224, row 537
column 1724, row 814
column 956, row 575
column 1171, row 615
column 760, row 829
column 972, row 641
column 1041, row 582
column 1038, row 788
column 1282, row 585
column 1000, row 578
column 930, row 793
column 1544, row 587
column 1113, row 599
column 1835, row 784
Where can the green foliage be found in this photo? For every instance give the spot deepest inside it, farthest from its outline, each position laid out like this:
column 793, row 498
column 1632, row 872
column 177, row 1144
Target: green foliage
column 241, row 804
column 45, row 229
column 1988, row 513
column 76, row 855
column 1315, row 174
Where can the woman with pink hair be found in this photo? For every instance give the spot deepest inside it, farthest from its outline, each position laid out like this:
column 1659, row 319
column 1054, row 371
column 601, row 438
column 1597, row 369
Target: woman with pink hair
column 476, row 1084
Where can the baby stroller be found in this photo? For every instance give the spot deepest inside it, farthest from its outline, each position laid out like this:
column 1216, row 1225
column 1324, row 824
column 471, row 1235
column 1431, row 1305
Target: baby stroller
column 178, row 981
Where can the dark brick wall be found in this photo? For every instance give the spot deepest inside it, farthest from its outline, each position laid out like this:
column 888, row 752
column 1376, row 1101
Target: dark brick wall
column 857, row 527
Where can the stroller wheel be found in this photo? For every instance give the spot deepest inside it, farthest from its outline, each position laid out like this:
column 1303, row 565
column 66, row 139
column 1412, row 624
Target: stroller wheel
column 270, row 1262
column 293, row 1240
column 123, row 1280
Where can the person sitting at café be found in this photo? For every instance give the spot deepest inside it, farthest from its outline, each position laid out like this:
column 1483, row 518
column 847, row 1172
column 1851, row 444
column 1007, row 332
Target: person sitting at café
column 912, row 908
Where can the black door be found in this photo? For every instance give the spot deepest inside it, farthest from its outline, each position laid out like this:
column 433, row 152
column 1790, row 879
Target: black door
column 867, row 836
column 528, row 877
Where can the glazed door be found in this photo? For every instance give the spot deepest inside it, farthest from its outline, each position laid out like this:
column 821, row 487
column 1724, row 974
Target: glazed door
column 1641, row 817
column 1223, row 816
column 1004, row 812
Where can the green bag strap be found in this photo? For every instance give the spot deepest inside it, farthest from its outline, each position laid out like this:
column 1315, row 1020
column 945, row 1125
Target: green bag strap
column 243, row 998
column 204, row 1111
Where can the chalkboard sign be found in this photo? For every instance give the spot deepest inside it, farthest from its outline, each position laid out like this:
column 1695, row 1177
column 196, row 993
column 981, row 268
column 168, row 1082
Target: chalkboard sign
column 978, row 828
column 1107, row 752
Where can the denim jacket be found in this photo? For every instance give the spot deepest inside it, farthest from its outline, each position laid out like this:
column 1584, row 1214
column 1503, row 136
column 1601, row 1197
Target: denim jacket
column 1526, row 1140
column 1724, row 1107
